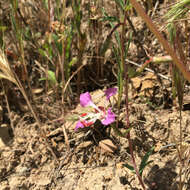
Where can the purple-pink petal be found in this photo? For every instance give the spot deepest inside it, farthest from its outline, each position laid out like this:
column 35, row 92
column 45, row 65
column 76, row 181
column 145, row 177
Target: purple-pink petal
column 110, row 92
column 85, row 99
column 110, row 118
column 79, row 125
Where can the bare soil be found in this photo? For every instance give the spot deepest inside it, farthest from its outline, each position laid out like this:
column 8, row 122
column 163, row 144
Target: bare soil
column 26, row 161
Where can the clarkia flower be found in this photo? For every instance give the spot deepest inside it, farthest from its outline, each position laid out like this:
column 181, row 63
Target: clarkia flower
column 110, row 117
column 110, row 92
column 100, row 113
column 85, row 99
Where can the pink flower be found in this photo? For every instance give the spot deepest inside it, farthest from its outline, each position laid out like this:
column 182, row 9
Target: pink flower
column 79, row 125
column 85, row 99
column 100, row 113
column 110, row 92
column 110, row 118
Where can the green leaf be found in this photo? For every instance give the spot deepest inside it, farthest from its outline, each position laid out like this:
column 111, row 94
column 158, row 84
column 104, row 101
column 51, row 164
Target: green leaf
column 144, row 161
column 129, row 167
column 128, row 44
column 141, row 170
column 49, row 51
column 45, row 2
column 73, row 61
column 105, row 46
column 121, row 4
column 106, row 17
column 42, row 52
column 70, row 34
column 57, row 43
column 41, row 79
column 52, row 77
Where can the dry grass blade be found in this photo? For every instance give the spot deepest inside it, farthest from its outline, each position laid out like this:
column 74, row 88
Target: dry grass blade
column 7, row 73
column 66, row 137
column 178, row 11
column 5, row 70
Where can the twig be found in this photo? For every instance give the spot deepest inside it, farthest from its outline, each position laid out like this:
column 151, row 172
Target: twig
column 67, row 83
column 155, row 7
column 147, row 69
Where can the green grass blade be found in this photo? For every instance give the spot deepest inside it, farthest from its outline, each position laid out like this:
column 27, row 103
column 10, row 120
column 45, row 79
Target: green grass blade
column 144, row 161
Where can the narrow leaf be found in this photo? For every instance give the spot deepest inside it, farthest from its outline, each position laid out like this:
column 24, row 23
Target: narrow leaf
column 144, row 162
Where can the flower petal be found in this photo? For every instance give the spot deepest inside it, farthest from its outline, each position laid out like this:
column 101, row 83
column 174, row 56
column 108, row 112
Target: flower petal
column 87, row 123
column 110, row 92
column 79, row 125
column 110, row 118
column 85, row 99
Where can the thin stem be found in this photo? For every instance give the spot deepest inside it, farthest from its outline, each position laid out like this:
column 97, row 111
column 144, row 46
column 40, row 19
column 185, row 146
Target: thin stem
column 125, row 66
column 180, row 151
column 62, row 58
column 128, row 127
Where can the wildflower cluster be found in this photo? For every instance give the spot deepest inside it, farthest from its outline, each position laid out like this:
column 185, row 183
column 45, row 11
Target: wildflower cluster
column 106, row 116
